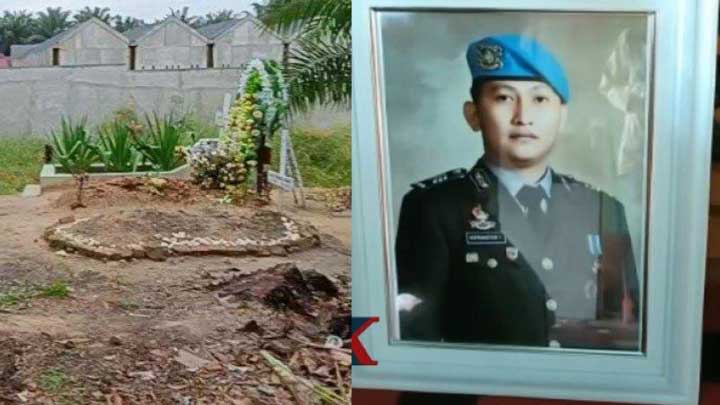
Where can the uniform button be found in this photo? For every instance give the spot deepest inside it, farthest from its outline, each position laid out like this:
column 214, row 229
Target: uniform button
column 543, row 205
column 492, row 263
column 596, row 266
column 512, row 252
column 551, row 304
column 547, row 264
column 554, row 343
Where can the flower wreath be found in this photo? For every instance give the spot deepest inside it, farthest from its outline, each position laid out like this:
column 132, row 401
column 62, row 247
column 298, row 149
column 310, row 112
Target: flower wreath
column 259, row 110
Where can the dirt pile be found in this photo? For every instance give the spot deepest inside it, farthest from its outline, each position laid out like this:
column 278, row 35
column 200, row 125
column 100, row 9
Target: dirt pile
column 285, row 287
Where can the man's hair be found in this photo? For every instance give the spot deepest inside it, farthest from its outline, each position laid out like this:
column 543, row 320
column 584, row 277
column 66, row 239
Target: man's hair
column 476, row 87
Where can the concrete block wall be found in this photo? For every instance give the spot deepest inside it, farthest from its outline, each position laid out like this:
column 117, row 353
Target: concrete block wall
column 35, row 98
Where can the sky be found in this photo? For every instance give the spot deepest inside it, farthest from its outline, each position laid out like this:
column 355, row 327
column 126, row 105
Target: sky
column 147, row 10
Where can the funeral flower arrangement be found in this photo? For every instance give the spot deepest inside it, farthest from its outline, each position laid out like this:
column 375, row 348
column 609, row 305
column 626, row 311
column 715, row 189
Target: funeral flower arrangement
column 259, row 110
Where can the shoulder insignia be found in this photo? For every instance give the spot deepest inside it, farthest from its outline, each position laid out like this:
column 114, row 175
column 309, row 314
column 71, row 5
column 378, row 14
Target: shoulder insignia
column 440, row 178
column 479, row 178
column 569, row 182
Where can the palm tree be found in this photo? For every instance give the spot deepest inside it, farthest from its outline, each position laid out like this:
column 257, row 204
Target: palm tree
column 17, row 27
column 51, row 22
column 291, row 16
column 218, row 17
column 102, row 13
column 319, row 68
column 126, row 24
column 183, row 16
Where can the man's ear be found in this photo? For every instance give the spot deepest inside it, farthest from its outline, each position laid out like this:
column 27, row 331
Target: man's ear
column 472, row 116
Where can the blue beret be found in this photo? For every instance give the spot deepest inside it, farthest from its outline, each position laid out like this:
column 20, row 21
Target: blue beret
column 513, row 56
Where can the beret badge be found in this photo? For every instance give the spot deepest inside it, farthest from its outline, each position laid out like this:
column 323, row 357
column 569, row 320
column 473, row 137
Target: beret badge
column 490, row 56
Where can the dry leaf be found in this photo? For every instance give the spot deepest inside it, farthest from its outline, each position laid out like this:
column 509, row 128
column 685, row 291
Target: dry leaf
column 342, row 358
column 190, row 361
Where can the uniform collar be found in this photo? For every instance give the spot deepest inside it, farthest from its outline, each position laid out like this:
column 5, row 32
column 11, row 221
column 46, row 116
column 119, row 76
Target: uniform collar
column 513, row 181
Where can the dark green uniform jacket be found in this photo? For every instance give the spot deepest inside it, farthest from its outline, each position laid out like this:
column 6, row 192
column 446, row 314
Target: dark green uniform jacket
column 464, row 247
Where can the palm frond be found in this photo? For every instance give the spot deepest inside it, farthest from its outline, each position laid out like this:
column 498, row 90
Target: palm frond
column 292, row 16
column 319, row 72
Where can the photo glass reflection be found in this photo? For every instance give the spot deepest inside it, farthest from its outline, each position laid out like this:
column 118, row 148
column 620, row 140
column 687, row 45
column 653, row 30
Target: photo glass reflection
column 516, row 159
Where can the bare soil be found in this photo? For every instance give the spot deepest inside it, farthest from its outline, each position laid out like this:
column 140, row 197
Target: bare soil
column 187, row 329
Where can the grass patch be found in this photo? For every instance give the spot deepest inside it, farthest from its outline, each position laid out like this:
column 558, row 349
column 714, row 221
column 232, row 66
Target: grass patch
column 58, row 289
column 53, row 380
column 324, row 156
column 12, row 297
column 21, row 159
column 199, row 127
column 128, row 305
column 16, row 296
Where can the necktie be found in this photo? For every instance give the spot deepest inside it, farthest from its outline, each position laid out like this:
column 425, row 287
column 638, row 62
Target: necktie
column 533, row 199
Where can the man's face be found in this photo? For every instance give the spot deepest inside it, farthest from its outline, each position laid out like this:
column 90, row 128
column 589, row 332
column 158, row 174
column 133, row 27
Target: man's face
column 519, row 120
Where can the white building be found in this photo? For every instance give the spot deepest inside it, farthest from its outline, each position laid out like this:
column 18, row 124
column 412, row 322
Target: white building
column 238, row 41
column 92, row 42
column 170, row 44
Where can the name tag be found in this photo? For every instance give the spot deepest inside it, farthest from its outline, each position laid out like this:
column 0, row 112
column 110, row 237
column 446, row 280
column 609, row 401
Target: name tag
column 485, row 238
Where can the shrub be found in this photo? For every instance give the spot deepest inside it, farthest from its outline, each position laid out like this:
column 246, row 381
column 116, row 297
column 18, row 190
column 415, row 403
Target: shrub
column 74, row 148
column 162, row 142
column 76, row 152
column 116, row 147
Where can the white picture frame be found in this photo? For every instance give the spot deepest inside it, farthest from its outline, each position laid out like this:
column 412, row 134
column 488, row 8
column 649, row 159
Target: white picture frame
column 666, row 369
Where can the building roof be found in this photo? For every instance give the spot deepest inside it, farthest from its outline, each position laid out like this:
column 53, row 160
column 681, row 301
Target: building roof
column 213, row 31
column 50, row 42
column 20, row 51
column 25, row 50
column 138, row 34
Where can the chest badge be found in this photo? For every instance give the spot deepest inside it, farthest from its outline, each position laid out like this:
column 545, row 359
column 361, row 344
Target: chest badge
column 472, row 257
column 481, row 221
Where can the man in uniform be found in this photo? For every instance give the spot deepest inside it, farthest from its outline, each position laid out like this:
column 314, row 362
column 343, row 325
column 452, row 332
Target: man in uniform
column 511, row 252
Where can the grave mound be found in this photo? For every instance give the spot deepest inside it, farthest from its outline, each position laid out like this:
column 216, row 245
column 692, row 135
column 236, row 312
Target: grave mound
column 156, row 234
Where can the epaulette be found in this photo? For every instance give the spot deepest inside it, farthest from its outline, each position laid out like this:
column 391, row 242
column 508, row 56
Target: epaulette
column 440, row 178
column 569, row 182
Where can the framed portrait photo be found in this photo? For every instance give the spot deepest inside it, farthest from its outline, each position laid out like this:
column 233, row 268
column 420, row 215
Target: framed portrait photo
column 531, row 194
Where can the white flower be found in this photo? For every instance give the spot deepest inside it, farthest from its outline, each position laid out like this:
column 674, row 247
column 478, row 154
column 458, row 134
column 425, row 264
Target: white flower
column 258, row 114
